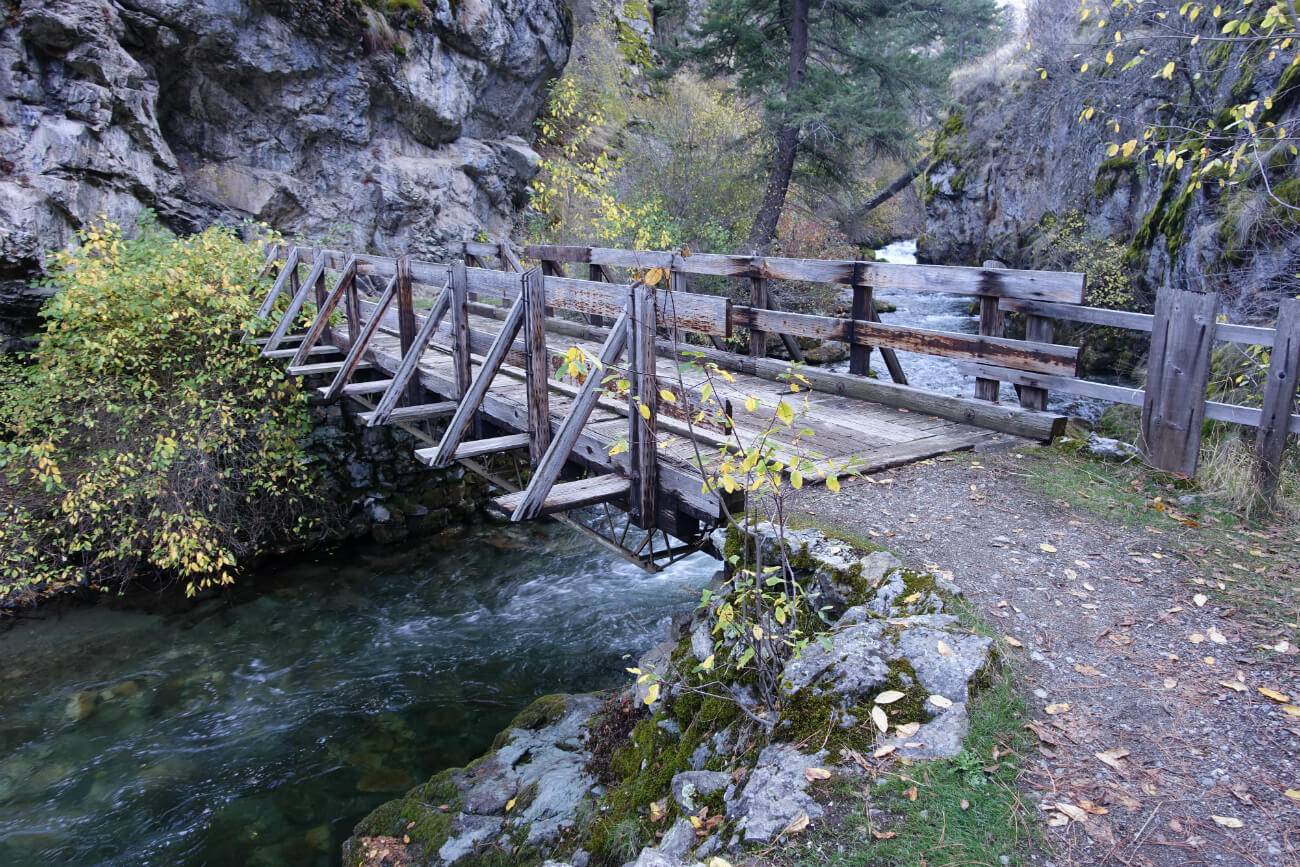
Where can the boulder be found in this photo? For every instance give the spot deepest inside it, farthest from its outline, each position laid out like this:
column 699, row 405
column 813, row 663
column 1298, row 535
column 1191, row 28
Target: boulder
column 690, row 788
column 775, row 793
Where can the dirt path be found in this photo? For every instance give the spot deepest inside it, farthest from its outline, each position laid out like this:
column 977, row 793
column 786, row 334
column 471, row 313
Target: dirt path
column 1116, row 657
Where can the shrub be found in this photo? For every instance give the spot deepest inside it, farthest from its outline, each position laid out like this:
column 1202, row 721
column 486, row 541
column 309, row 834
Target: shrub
column 141, row 436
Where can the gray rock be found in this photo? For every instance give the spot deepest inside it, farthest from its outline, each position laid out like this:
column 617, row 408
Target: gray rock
column 948, row 675
column 329, row 124
column 701, row 642
column 689, row 788
column 775, row 793
column 1111, row 449
column 854, row 666
column 652, row 857
column 678, row 840
column 655, row 662
column 940, row 738
column 467, row 831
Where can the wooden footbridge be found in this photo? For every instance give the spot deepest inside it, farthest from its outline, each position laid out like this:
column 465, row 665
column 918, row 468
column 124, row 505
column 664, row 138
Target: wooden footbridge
column 481, row 347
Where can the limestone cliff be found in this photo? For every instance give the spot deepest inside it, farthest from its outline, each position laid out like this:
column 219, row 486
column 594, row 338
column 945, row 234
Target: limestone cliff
column 400, row 130
column 1013, row 160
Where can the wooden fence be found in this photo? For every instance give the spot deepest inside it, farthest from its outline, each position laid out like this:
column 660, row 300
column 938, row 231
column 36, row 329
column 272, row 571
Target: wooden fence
column 1183, row 332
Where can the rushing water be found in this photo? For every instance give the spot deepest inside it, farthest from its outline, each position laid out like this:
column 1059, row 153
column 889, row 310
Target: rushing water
column 258, row 733
column 942, row 312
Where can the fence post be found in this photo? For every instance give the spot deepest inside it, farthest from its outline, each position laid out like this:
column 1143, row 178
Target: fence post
column 859, row 355
column 1279, row 397
column 321, row 292
column 406, row 321
column 643, row 405
column 537, row 363
column 1040, row 330
column 992, row 324
column 1178, row 371
column 757, row 301
column 460, row 360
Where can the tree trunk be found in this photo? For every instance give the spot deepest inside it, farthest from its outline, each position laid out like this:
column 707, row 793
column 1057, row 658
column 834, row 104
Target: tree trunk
column 787, row 136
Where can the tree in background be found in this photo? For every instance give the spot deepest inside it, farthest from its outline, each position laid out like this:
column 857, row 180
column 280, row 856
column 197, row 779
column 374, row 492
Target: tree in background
column 840, row 81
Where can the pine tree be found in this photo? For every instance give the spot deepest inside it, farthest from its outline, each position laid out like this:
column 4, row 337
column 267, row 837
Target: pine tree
column 838, row 79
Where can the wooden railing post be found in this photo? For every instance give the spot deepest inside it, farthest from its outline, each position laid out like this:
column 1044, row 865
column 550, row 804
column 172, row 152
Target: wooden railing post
column 1178, row 370
column 643, row 405
column 859, row 355
column 992, row 324
column 1279, row 397
column 757, row 301
column 538, row 363
column 406, row 320
column 1040, row 330
column 321, row 293
column 461, row 371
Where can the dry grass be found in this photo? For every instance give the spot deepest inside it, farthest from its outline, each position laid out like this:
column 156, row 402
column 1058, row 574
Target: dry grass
column 1227, row 473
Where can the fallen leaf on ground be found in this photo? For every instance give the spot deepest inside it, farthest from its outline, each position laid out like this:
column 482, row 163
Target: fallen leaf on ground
column 1170, row 683
column 1293, row 794
column 906, row 730
column 879, row 718
column 1226, row 821
column 1087, row 670
column 1056, row 708
column 797, row 824
column 1291, row 709
column 883, row 835
column 1196, row 638
column 1014, row 642
column 889, row 696
column 911, row 793
column 884, row 750
column 658, row 809
column 814, row 774
column 1279, row 697
column 715, row 861
column 1200, row 599
column 944, row 649
column 1112, row 757
column 1093, row 809
column 1047, row 548
column 1234, row 685
column 1216, row 636
column 1072, row 811
column 941, row 701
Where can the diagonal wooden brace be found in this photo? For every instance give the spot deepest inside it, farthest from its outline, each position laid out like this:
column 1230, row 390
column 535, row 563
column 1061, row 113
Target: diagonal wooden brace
column 552, row 463
column 290, row 266
column 360, row 342
column 325, row 310
column 295, row 306
column 410, row 360
column 469, row 403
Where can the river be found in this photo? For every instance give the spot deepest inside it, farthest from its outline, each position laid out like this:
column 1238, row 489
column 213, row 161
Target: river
column 259, row 732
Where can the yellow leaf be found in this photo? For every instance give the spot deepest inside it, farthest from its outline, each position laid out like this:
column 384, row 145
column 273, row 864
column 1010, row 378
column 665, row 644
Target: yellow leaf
column 653, row 276
column 797, row 824
column 1057, row 708
column 884, row 750
column 1014, row 642
column 510, row 805
column 889, row 696
column 1072, row 811
column 667, row 396
column 1128, row 147
column 784, row 412
column 1279, row 697
column 652, row 694
column 707, row 665
column 1047, row 548
column 1167, row 72
column 1226, row 821
column 751, row 403
column 1293, row 794
column 833, row 483
column 1291, row 710
column 814, row 774
column 644, row 410
column 658, row 809
column 715, row 861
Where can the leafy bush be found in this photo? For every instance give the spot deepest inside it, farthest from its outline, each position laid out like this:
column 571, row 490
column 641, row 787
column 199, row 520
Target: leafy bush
column 141, row 436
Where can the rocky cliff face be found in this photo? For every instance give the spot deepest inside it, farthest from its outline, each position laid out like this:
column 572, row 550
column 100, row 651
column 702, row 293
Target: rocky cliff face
column 1014, row 161
column 324, row 118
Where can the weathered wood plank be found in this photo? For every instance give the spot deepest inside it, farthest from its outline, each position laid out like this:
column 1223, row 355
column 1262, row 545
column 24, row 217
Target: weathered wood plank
column 538, row 362
column 375, row 386
column 860, row 354
column 757, row 299
column 572, row 495
column 992, row 323
column 323, row 367
column 415, row 413
column 1001, row 282
column 570, row 431
column 290, row 353
column 1038, row 329
column 1017, row 354
column 1178, row 370
column 473, row 396
column 1251, row 335
column 405, row 370
column 474, row 449
column 1279, row 397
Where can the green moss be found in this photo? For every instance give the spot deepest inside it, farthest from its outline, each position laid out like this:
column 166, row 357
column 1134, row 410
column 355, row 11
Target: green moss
column 1286, row 194
column 417, row 815
column 1109, row 174
column 543, row 712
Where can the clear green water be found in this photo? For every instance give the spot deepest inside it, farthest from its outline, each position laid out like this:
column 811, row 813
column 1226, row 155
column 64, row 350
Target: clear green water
column 259, row 733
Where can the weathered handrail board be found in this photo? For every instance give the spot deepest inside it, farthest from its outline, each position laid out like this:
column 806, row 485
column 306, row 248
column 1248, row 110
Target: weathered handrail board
column 1251, row 335
column 685, row 311
column 958, row 279
column 1006, row 352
